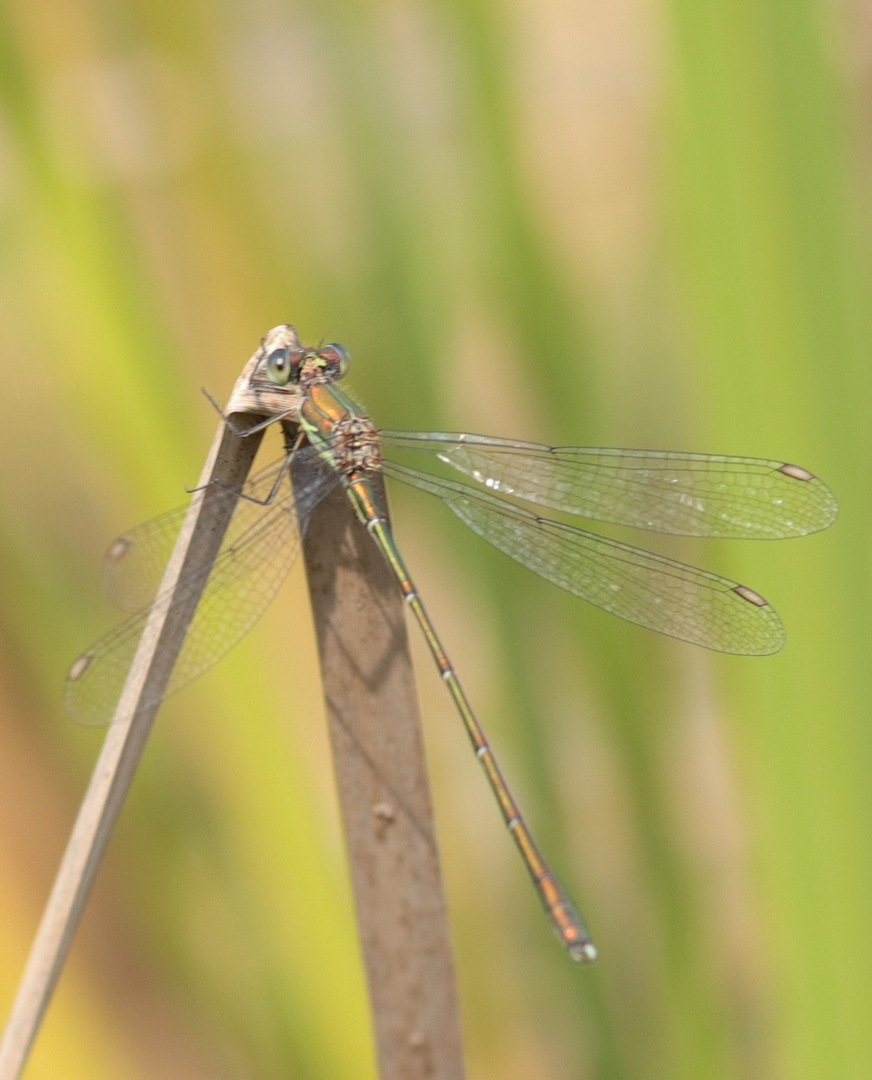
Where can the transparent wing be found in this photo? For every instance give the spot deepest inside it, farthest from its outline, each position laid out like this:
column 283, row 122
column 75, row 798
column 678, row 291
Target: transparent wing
column 683, row 494
column 259, row 549
column 644, row 588
column 135, row 562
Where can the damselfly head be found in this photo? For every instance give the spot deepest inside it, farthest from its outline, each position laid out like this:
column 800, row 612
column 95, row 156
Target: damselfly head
column 284, row 361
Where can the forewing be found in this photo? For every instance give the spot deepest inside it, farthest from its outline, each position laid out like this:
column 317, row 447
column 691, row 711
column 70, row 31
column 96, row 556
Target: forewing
column 659, row 593
column 134, row 564
column 683, row 494
column 259, row 548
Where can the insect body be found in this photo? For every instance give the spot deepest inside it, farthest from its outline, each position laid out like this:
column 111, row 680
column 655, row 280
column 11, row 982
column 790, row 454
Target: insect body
column 683, row 494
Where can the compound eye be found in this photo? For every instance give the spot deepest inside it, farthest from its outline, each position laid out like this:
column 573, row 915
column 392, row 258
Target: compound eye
column 338, row 358
column 278, row 366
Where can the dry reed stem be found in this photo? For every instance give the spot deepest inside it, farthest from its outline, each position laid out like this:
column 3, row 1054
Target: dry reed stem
column 380, row 772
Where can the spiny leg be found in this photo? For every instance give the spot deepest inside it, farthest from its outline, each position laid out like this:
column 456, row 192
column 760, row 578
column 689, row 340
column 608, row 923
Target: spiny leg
column 268, row 501
column 243, row 433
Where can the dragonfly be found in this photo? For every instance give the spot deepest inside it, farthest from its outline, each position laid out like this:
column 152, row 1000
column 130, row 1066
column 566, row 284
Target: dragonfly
column 679, row 493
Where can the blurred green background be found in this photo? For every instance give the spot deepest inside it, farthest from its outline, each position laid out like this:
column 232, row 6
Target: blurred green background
column 607, row 223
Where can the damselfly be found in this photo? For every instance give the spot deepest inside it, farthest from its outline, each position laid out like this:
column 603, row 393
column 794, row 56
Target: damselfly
column 683, row 494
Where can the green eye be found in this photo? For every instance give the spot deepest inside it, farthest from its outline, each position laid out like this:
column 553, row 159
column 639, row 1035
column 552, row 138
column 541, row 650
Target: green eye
column 278, row 366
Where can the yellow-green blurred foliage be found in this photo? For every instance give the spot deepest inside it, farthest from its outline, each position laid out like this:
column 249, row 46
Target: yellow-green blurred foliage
column 610, row 223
